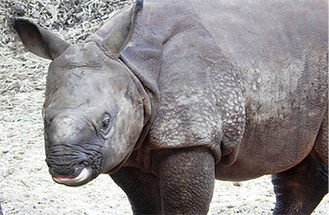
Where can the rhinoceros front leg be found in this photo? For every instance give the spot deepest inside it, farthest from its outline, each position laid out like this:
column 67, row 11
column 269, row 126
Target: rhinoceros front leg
column 300, row 189
column 141, row 188
column 186, row 180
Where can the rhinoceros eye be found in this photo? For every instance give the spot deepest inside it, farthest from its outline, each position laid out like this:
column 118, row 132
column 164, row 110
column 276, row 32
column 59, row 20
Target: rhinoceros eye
column 105, row 126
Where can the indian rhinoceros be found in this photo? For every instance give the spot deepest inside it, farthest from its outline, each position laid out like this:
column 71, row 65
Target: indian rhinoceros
column 172, row 95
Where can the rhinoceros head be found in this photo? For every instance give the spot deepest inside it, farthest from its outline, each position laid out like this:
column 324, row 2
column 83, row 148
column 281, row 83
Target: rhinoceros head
column 94, row 109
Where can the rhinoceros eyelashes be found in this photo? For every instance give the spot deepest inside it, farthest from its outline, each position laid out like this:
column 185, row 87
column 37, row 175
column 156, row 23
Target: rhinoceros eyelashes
column 105, row 126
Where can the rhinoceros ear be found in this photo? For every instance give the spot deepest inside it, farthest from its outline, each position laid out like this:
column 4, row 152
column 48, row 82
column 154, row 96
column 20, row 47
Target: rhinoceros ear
column 118, row 38
column 38, row 40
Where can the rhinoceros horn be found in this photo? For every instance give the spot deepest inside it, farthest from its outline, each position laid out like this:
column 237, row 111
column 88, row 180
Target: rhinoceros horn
column 120, row 35
column 38, row 40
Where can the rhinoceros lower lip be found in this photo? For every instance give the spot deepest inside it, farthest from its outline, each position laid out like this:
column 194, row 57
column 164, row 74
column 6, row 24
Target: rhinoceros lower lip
column 84, row 175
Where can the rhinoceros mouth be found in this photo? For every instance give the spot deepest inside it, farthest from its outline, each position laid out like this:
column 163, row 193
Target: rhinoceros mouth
column 84, row 177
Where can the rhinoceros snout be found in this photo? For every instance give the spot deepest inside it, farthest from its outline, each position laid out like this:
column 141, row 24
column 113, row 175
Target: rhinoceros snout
column 75, row 173
column 84, row 177
column 72, row 148
column 60, row 169
column 69, row 160
column 65, row 165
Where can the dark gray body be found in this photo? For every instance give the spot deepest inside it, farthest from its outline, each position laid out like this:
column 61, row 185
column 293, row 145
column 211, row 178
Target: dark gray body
column 220, row 89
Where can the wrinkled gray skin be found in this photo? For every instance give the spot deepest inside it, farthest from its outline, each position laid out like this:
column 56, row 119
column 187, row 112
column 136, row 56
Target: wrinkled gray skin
column 169, row 98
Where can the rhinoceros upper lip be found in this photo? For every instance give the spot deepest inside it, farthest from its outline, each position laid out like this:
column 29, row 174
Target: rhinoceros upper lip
column 85, row 174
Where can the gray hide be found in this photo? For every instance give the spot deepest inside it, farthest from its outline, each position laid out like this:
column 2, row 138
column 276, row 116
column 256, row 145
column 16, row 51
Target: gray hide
column 219, row 69
column 190, row 91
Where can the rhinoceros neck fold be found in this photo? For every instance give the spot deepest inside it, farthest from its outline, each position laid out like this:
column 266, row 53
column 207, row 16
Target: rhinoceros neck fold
column 149, row 105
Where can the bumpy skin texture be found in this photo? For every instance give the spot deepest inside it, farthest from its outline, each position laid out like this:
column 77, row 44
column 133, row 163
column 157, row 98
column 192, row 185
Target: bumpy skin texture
column 300, row 189
column 226, row 89
column 253, row 85
column 184, row 186
column 141, row 188
column 322, row 142
column 186, row 180
column 257, row 84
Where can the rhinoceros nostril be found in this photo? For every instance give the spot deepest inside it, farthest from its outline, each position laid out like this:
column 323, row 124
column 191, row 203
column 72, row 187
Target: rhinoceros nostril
column 80, row 166
column 84, row 163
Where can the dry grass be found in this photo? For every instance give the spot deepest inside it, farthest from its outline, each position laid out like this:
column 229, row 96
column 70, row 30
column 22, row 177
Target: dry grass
column 25, row 185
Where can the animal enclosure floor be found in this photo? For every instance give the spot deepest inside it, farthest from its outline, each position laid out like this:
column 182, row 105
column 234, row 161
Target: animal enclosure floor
column 25, row 184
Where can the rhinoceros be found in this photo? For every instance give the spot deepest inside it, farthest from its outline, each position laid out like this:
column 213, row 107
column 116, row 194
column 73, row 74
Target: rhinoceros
column 169, row 95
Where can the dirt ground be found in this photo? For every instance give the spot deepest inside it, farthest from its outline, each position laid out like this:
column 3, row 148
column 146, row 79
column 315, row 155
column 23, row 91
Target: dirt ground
column 25, row 184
